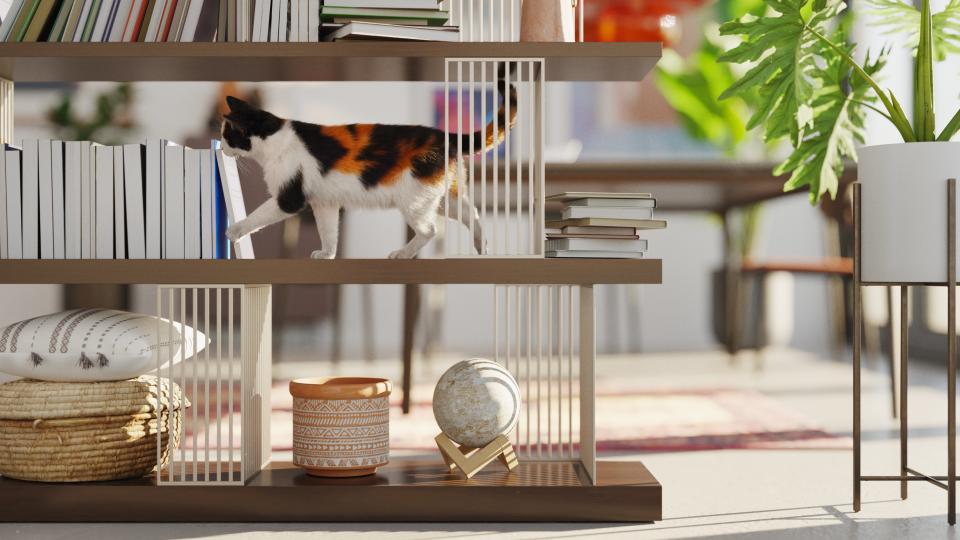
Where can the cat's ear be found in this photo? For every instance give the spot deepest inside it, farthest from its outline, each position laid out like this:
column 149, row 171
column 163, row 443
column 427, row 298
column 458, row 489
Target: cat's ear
column 238, row 105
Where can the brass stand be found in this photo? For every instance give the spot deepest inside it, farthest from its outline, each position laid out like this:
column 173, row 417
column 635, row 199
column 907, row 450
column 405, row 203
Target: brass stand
column 470, row 460
column 907, row 474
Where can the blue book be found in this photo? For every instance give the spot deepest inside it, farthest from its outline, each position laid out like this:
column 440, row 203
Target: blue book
column 222, row 245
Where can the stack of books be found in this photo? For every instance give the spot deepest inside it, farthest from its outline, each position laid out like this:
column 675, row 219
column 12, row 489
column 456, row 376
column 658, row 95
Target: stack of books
column 601, row 225
column 398, row 20
column 83, row 200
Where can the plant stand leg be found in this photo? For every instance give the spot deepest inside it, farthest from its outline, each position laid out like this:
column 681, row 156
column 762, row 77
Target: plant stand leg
column 951, row 351
column 892, row 357
column 857, row 329
column 904, row 358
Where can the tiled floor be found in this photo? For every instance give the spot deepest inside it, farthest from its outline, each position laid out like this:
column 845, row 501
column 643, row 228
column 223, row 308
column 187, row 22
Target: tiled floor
column 740, row 494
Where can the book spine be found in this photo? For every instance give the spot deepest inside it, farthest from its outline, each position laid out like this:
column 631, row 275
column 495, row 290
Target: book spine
column 31, row 199
column 119, row 205
column 14, row 216
column 45, row 174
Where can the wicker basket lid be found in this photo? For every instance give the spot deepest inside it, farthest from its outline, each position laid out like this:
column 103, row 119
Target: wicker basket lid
column 27, row 399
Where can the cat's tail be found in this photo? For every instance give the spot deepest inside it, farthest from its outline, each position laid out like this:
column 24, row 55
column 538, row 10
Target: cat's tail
column 495, row 132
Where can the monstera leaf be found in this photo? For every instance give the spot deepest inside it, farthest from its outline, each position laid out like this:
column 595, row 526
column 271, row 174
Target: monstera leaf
column 902, row 19
column 817, row 162
column 785, row 53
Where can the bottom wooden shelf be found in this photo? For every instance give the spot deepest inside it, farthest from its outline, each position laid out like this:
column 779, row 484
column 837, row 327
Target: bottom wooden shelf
column 402, row 491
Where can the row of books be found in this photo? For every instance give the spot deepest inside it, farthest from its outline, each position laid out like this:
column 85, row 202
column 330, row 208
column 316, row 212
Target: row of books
column 224, row 20
column 601, row 225
column 84, row 200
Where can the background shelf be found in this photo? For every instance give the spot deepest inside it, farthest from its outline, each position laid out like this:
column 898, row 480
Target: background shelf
column 337, row 61
column 339, row 271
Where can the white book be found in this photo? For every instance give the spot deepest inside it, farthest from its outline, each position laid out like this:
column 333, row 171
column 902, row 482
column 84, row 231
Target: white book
column 389, row 4
column 81, row 23
column 56, row 176
column 275, row 19
column 130, row 25
column 120, row 21
column 44, row 163
column 595, row 244
column 86, row 200
column 233, row 196
column 594, row 255
column 119, row 204
column 173, row 207
column 576, row 212
column 30, row 192
column 192, row 20
column 294, row 20
column 72, row 221
column 103, row 16
column 152, row 28
column 191, row 203
column 313, row 22
column 133, row 200
column 257, row 21
column 207, row 206
column 153, row 198
column 14, row 217
column 284, row 20
column 103, row 189
column 614, row 203
column 383, row 31
column 304, row 20
column 9, row 18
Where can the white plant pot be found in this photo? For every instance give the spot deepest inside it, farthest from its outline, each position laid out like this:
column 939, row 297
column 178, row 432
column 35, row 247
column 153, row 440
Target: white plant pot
column 903, row 202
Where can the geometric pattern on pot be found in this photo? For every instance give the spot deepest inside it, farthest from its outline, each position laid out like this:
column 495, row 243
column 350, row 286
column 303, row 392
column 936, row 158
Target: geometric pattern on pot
column 341, row 433
column 90, row 345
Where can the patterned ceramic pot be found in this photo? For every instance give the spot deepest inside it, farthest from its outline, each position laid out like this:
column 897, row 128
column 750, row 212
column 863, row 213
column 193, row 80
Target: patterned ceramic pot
column 341, row 425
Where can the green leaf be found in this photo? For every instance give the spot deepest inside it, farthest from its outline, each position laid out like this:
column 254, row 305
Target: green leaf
column 817, row 162
column 903, row 19
column 783, row 57
column 924, row 121
column 951, row 129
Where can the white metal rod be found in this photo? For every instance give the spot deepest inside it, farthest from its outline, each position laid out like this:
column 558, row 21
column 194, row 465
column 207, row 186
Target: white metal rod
column 482, row 35
column 496, row 324
column 550, row 307
column 470, row 171
column 446, row 153
column 483, row 153
column 529, row 343
column 495, row 230
column 518, row 332
column 541, row 159
column 206, row 384
column 531, row 157
column 460, row 13
column 580, row 21
column 460, row 159
column 570, row 369
column 183, row 387
column 193, row 363
column 172, row 452
column 560, row 389
column 230, row 376
column 539, row 320
column 160, row 396
column 219, row 317
column 506, row 162
column 521, row 133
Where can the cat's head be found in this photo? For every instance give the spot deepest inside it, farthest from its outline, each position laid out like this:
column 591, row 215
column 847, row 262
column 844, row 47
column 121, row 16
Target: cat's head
column 246, row 128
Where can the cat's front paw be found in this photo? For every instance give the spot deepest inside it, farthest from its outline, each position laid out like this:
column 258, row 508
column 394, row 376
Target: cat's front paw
column 235, row 232
column 322, row 254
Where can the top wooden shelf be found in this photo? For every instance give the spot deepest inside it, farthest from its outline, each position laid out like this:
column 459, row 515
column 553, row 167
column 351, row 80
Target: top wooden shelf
column 510, row 271
column 336, row 61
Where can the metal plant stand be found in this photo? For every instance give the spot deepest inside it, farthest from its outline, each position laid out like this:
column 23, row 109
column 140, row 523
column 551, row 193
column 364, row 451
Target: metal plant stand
column 908, row 474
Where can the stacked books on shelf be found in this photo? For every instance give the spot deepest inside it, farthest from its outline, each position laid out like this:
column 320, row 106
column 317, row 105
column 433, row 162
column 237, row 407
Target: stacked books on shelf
column 601, row 225
column 224, row 20
column 386, row 20
column 84, row 200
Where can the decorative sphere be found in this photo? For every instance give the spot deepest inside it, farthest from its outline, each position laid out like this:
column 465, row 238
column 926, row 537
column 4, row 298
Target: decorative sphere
column 476, row 400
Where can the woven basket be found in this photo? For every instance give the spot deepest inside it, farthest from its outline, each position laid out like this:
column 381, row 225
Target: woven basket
column 77, row 432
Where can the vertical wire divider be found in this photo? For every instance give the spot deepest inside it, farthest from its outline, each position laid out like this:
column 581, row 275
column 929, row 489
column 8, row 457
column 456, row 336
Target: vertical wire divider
column 508, row 128
column 484, row 87
column 193, row 363
column 539, row 319
column 470, row 172
column 500, row 29
column 529, row 345
column 521, row 132
column 171, row 448
column 580, row 19
column 532, row 136
column 231, row 390
column 159, row 406
column 218, row 315
column 462, row 32
column 513, row 6
column 496, row 324
column 518, row 332
column 588, row 456
column 461, row 162
column 446, row 154
column 495, row 230
column 206, row 384
column 560, row 313
column 541, row 159
column 482, row 35
column 550, row 308
column 570, row 371
column 183, row 386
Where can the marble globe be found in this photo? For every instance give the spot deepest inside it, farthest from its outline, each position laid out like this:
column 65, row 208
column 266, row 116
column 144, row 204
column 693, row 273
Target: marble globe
column 476, row 400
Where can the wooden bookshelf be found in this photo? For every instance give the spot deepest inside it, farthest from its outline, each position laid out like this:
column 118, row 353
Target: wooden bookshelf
column 337, row 61
column 401, row 491
column 339, row 271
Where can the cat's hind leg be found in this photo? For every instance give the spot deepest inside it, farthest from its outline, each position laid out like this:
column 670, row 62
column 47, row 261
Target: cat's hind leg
column 328, row 225
column 266, row 214
column 468, row 212
column 423, row 221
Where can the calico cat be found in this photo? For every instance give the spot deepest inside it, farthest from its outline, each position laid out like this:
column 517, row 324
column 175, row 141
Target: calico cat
column 356, row 166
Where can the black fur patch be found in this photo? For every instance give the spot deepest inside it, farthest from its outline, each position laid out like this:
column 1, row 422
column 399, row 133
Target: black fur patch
column 291, row 198
column 245, row 121
column 383, row 150
column 326, row 150
column 429, row 164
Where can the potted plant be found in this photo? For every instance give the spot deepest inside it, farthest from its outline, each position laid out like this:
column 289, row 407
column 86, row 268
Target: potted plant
column 811, row 91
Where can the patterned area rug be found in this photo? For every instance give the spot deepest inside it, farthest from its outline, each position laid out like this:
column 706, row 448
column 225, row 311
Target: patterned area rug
column 667, row 420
